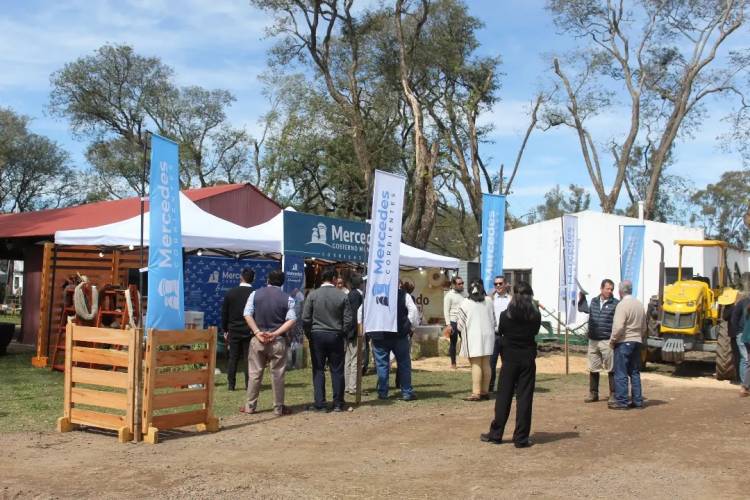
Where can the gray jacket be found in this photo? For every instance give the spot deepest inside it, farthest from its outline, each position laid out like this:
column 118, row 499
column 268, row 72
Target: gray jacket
column 327, row 310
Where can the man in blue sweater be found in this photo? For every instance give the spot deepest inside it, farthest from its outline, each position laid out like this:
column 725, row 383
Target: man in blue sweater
column 600, row 356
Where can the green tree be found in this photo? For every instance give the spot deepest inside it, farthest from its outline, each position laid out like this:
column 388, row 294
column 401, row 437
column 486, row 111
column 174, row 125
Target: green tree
column 722, row 206
column 35, row 172
column 116, row 96
column 558, row 203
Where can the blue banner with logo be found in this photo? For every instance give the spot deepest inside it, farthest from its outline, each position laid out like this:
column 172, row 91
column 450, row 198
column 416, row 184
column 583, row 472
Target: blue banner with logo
column 325, row 237
column 631, row 255
column 493, row 232
column 166, row 308
column 208, row 278
column 294, row 274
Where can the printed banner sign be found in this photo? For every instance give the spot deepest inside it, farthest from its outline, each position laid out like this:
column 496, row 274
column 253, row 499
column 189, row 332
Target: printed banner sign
column 166, row 308
column 208, row 278
column 569, row 269
column 294, row 272
column 322, row 237
column 631, row 255
column 385, row 247
column 493, row 231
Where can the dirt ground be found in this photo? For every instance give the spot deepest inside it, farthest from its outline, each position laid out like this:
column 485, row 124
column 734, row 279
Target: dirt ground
column 691, row 441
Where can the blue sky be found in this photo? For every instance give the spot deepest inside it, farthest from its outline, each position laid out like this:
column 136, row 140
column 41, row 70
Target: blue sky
column 221, row 44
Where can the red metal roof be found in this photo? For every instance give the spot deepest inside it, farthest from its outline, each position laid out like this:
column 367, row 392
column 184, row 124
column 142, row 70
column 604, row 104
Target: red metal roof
column 46, row 222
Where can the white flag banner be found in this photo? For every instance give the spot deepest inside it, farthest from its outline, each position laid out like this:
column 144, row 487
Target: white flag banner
column 383, row 256
column 569, row 281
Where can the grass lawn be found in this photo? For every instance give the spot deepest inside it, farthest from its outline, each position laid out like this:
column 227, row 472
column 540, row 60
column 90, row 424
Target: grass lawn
column 10, row 318
column 31, row 398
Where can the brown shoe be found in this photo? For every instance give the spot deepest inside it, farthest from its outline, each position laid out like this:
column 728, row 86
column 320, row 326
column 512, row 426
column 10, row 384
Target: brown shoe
column 473, row 397
column 744, row 392
column 246, row 410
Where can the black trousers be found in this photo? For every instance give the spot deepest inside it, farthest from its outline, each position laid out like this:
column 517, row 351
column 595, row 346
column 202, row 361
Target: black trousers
column 736, row 357
column 366, row 354
column 238, row 346
column 327, row 346
column 493, row 362
column 454, row 340
column 517, row 376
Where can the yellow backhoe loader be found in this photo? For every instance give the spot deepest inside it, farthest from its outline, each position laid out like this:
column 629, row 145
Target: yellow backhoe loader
column 689, row 313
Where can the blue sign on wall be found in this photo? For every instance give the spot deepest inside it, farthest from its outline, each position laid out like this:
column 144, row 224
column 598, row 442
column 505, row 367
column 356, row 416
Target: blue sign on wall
column 325, row 237
column 207, row 280
column 294, row 274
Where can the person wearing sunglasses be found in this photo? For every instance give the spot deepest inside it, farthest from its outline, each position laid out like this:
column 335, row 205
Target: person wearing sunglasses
column 500, row 301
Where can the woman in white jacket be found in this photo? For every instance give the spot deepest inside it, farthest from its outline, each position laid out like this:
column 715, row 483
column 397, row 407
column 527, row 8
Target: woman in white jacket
column 476, row 319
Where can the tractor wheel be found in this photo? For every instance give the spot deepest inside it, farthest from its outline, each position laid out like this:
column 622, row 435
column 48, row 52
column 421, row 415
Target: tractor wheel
column 653, row 354
column 724, row 360
column 644, row 356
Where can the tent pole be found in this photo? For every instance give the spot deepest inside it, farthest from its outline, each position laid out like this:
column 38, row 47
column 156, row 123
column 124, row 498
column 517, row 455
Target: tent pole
column 138, row 434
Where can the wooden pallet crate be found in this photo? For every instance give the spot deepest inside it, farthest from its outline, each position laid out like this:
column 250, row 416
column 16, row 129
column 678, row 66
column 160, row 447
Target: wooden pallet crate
column 108, row 381
column 187, row 369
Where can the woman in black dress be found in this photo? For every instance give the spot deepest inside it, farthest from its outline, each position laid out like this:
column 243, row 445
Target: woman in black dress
column 518, row 326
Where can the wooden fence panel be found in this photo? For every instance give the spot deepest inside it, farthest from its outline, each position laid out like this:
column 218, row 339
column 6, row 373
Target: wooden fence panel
column 194, row 384
column 103, row 376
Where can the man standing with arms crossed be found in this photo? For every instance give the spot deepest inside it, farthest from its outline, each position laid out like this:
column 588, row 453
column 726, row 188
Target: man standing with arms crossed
column 628, row 332
column 451, row 303
column 600, row 356
column 500, row 301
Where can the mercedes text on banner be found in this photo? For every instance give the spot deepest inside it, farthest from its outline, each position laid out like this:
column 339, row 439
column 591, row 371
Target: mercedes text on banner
column 382, row 263
column 166, row 298
column 493, row 230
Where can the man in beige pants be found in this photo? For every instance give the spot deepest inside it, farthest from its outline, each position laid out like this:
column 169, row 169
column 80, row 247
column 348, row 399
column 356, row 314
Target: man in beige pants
column 269, row 313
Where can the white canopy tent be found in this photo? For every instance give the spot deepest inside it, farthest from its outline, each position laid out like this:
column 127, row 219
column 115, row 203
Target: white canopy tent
column 200, row 229
column 272, row 232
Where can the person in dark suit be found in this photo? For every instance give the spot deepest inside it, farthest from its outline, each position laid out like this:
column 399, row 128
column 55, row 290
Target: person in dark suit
column 237, row 333
column 326, row 320
column 518, row 326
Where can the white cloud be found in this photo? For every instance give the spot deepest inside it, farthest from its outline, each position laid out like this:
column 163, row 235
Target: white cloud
column 37, row 42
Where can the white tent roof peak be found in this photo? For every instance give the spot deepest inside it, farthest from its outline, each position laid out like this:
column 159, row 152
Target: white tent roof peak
column 200, row 229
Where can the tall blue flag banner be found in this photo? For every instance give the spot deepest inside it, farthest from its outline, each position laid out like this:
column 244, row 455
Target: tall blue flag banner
column 384, row 252
column 493, row 231
column 569, row 269
column 631, row 254
column 166, row 297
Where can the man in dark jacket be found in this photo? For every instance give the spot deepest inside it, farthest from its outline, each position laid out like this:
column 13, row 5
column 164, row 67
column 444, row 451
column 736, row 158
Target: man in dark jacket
column 236, row 332
column 270, row 314
column 600, row 355
column 355, row 297
column 326, row 319
column 385, row 343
